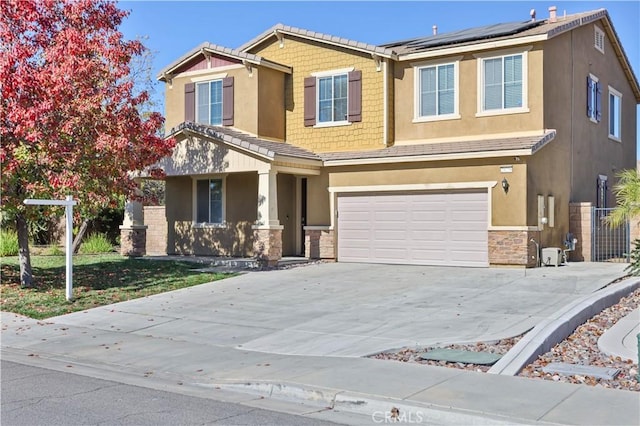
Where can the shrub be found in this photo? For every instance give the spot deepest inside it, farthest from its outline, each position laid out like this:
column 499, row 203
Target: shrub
column 634, row 266
column 55, row 251
column 96, row 243
column 8, row 243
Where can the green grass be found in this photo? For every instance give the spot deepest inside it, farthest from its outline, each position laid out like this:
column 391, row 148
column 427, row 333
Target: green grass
column 96, row 243
column 97, row 280
column 8, row 243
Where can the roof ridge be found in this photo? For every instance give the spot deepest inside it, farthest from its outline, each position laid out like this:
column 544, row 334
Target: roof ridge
column 301, row 32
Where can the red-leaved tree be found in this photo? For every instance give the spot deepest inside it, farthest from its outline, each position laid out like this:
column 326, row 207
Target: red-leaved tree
column 70, row 118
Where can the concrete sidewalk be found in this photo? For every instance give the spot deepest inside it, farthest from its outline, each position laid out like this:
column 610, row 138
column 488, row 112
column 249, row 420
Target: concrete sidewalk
column 621, row 340
column 192, row 342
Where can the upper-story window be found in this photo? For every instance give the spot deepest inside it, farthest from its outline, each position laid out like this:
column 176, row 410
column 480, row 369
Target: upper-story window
column 436, row 91
column 598, row 38
column 333, row 98
column 594, row 95
column 209, row 102
column 615, row 114
column 502, row 84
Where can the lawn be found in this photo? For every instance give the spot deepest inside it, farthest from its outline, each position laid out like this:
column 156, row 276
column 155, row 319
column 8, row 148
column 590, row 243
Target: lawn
column 97, row 280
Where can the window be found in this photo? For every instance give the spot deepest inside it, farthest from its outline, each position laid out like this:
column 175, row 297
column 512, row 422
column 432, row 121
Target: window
column 615, row 114
column 599, row 39
column 332, row 98
column 209, row 201
column 436, row 93
column 594, row 95
column 209, row 102
column 212, row 104
column 502, row 84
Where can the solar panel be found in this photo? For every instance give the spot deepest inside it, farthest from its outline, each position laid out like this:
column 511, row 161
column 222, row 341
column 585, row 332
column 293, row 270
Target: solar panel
column 479, row 33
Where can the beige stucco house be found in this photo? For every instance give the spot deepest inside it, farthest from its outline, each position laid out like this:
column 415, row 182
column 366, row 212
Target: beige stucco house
column 449, row 149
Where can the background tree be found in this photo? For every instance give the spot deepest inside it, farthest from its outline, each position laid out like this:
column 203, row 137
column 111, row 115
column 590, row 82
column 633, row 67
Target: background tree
column 69, row 117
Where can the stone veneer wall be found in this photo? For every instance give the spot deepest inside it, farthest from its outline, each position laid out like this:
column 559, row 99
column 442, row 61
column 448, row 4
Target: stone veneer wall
column 267, row 245
column 580, row 227
column 513, row 248
column 133, row 241
column 319, row 244
column 156, row 221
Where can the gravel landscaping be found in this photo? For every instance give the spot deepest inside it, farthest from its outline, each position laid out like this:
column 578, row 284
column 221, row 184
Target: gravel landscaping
column 581, row 347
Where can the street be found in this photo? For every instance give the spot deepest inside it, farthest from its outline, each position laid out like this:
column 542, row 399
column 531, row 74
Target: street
column 37, row 396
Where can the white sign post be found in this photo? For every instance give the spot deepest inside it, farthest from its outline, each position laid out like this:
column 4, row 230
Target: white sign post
column 68, row 204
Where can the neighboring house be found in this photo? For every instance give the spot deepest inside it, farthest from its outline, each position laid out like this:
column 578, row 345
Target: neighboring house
column 451, row 149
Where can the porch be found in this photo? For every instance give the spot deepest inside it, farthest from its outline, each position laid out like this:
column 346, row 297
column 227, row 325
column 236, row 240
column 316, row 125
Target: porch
column 228, row 194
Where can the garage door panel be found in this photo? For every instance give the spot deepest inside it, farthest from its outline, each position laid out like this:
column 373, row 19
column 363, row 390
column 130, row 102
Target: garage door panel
column 437, row 228
column 390, row 235
column 468, row 238
column 390, row 216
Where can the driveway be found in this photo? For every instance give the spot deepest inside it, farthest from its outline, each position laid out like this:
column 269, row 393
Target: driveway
column 351, row 310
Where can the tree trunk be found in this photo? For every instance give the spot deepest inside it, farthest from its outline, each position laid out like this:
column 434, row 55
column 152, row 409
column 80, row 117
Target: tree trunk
column 26, row 276
column 78, row 239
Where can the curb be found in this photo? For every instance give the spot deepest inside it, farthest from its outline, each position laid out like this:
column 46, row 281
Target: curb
column 560, row 325
column 378, row 409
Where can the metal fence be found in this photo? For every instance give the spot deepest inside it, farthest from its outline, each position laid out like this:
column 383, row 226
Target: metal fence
column 608, row 243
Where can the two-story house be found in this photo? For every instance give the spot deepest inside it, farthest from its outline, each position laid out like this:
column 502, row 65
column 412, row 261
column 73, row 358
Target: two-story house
column 464, row 148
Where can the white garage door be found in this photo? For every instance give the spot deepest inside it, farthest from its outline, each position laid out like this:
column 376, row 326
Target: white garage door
column 436, row 228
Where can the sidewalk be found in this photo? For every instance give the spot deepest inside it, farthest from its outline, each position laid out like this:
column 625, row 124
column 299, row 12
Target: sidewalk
column 164, row 342
column 621, row 340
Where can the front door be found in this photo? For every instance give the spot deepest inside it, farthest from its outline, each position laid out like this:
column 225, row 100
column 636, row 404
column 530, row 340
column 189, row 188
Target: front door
column 303, row 212
column 287, row 213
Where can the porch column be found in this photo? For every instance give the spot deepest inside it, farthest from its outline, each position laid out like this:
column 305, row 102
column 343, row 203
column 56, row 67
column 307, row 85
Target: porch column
column 267, row 232
column 133, row 232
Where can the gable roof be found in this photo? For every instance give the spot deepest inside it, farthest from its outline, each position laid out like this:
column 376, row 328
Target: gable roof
column 210, row 48
column 280, row 29
column 243, row 141
column 500, row 147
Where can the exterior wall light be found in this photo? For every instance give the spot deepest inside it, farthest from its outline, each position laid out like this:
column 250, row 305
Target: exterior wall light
column 505, row 185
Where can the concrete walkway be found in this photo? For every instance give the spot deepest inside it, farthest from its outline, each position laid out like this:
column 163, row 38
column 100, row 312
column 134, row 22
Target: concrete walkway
column 621, row 340
column 299, row 335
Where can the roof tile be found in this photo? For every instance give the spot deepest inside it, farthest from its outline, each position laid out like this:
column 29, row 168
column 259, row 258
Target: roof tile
column 245, row 141
column 534, row 143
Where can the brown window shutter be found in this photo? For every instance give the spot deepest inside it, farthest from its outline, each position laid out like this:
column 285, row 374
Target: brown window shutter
column 355, row 96
column 190, row 102
column 310, row 101
column 227, row 101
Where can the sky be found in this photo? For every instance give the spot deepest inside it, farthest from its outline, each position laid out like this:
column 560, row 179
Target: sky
column 172, row 28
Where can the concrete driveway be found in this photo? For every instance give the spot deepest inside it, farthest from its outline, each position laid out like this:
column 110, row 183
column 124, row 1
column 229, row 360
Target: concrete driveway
column 352, row 310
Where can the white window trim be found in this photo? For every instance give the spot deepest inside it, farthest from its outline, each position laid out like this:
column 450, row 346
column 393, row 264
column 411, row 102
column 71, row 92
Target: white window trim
column 480, row 58
column 210, row 77
column 594, row 116
column 209, row 80
column 619, row 95
column 331, row 73
column 332, row 124
column 598, row 34
column 417, row 118
column 194, row 197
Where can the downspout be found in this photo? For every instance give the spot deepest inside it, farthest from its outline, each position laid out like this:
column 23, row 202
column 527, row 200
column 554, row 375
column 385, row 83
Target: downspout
column 572, row 114
column 385, row 101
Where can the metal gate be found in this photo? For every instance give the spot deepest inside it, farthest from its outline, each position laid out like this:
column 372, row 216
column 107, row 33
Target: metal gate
column 608, row 243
